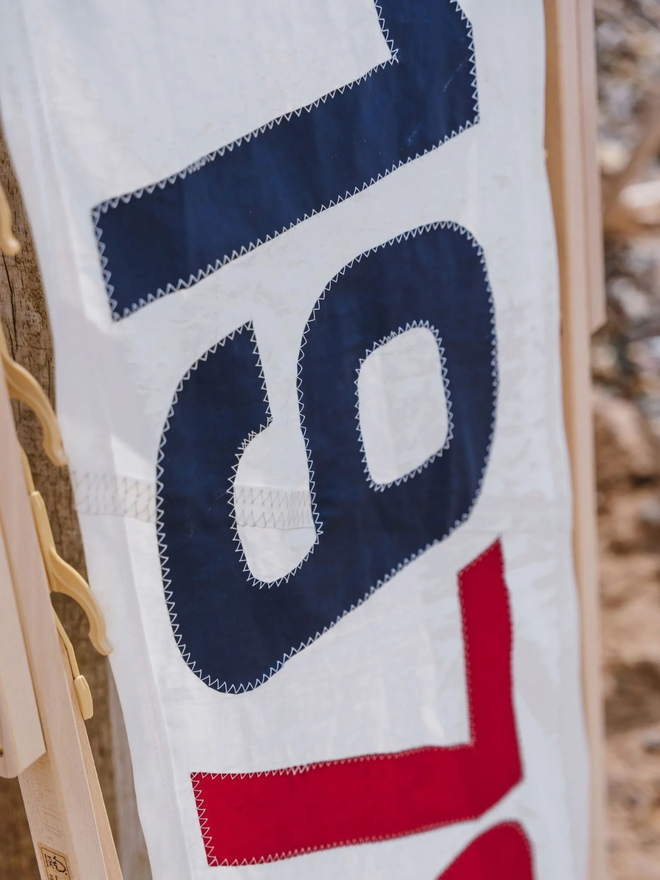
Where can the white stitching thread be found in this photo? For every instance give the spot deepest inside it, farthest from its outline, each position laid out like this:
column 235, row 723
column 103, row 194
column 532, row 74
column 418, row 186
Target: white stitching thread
column 267, row 508
column 380, row 487
column 203, row 821
column 162, row 546
column 210, row 157
column 216, row 683
column 264, row 507
column 495, row 547
column 105, row 494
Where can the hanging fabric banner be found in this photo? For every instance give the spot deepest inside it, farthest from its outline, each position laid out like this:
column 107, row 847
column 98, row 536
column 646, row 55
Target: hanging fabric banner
column 301, row 272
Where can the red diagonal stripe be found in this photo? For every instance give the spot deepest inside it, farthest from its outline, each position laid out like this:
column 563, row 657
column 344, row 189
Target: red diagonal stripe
column 258, row 817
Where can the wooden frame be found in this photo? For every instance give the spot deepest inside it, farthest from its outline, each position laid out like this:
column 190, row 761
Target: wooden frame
column 571, row 138
column 21, row 737
column 60, row 789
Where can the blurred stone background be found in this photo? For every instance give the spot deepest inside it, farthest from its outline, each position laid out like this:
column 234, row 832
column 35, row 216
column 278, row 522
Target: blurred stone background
column 626, row 373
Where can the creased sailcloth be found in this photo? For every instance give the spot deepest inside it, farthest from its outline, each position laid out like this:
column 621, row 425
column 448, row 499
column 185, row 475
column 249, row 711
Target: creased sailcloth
column 301, row 273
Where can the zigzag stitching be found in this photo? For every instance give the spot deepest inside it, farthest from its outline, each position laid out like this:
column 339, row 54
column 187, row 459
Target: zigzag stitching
column 294, row 771
column 203, row 821
column 304, row 768
column 101, row 494
column 268, row 496
column 162, row 545
column 223, row 687
column 380, row 487
column 289, row 516
column 182, row 284
column 299, row 769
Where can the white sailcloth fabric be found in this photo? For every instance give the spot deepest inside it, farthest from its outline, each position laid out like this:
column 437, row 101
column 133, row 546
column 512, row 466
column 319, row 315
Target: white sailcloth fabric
column 301, row 273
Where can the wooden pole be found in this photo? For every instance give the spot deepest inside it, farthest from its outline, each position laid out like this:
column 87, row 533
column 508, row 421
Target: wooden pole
column 48, row 785
column 573, row 175
column 61, row 792
column 21, row 737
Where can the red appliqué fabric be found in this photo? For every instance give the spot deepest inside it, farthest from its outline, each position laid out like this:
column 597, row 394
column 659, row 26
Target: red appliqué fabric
column 501, row 853
column 248, row 818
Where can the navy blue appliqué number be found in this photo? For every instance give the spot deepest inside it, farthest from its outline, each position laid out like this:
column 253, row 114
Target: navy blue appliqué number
column 175, row 232
column 236, row 633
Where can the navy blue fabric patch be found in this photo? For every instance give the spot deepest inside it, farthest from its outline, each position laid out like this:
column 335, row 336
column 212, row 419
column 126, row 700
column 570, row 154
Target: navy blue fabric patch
column 172, row 234
column 235, row 633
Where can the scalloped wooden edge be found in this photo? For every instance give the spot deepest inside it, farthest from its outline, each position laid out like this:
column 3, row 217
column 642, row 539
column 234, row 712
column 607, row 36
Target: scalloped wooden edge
column 62, row 577
column 61, row 791
column 80, row 685
column 22, row 386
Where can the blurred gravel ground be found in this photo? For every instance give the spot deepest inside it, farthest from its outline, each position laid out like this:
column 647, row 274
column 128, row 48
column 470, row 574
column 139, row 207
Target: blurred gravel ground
column 626, row 371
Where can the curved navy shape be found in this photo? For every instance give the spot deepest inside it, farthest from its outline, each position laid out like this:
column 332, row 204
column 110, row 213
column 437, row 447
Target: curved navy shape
column 173, row 233
column 236, row 634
